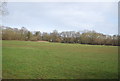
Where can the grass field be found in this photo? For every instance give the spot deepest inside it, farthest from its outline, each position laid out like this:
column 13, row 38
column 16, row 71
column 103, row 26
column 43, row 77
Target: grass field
column 44, row 60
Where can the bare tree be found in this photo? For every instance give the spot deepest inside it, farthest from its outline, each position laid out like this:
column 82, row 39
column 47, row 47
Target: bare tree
column 87, row 37
column 3, row 8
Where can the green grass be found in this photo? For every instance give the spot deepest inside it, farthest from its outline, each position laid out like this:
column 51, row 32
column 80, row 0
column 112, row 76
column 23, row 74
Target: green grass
column 0, row 59
column 44, row 60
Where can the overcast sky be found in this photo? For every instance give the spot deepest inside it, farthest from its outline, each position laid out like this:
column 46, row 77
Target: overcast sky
column 45, row 17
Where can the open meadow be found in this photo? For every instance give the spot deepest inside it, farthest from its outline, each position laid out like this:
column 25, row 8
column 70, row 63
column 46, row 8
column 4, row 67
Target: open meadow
column 45, row 60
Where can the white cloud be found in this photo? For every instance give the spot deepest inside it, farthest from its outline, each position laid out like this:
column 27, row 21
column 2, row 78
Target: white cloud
column 64, row 16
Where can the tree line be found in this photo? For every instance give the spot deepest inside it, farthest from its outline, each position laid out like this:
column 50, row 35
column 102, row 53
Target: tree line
column 86, row 37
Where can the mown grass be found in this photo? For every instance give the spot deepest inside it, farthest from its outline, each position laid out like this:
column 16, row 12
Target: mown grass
column 44, row 60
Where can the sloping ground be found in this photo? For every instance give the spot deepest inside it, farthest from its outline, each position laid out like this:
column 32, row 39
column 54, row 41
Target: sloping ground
column 40, row 60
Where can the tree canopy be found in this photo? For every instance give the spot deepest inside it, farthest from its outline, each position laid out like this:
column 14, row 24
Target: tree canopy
column 86, row 37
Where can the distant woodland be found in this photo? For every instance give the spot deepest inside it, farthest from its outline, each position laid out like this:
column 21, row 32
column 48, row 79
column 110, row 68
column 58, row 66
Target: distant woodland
column 86, row 37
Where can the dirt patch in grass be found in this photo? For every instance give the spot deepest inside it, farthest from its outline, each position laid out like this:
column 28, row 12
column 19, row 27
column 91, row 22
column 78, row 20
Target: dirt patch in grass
column 41, row 41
